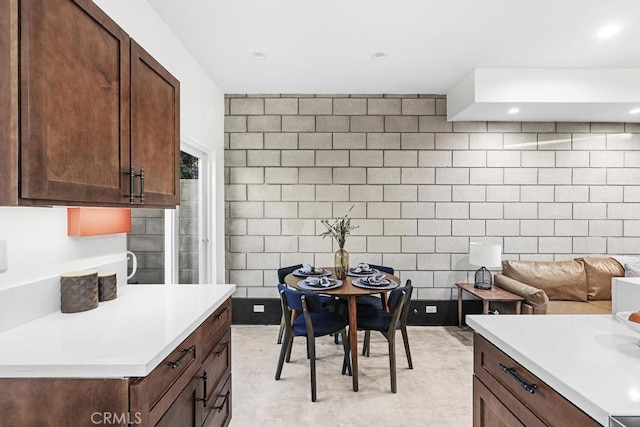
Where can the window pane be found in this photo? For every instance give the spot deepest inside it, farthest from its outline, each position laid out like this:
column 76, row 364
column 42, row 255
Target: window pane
column 146, row 241
column 188, row 226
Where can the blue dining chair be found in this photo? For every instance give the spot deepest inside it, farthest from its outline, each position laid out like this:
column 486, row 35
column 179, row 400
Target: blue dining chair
column 283, row 272
column 375, row 319
column 314, row 322
column 374, row 300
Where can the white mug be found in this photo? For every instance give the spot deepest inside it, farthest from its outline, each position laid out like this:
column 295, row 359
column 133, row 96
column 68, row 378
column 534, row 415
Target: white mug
column 134, row 263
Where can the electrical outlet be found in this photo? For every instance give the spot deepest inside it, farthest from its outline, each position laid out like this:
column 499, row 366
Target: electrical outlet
column 258, row 308
column 432, row 309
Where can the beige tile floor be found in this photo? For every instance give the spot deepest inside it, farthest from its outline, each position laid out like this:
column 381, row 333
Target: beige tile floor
column 437, row 392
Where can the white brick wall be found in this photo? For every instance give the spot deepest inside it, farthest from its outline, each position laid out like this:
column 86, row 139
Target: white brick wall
column 422, row 188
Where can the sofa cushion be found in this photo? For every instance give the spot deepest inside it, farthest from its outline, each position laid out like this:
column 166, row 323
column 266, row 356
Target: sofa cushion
column 599, row 272
column 560, row 280
column 533, row 296
column 603, row 304
column 576, row 307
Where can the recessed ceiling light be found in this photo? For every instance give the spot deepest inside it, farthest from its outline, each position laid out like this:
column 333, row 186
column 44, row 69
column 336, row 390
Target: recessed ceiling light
column 379, row 56
column 608, row 31
column 259, row 55
column 514, row 110
column 635, row 111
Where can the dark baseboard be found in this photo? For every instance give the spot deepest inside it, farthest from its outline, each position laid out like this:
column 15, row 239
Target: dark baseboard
column 244, row 312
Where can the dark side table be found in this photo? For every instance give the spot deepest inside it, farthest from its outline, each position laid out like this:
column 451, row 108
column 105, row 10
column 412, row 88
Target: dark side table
column 487, row 296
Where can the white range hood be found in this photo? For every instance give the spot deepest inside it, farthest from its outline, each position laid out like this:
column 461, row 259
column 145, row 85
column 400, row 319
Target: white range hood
column 547, row 95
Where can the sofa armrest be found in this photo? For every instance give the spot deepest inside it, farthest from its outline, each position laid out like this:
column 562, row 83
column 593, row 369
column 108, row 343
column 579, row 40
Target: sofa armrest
column 534, row 297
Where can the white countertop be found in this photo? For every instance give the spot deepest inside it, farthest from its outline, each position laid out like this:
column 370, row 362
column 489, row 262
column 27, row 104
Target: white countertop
column 125, row 337
column 592, row 360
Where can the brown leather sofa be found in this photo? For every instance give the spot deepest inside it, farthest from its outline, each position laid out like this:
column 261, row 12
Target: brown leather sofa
column 578, row 286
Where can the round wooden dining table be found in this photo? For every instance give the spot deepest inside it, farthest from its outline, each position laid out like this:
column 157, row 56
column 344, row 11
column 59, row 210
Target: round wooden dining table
column 351, row 292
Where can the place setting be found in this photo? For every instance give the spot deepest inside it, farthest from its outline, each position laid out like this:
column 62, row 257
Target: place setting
column 375, row 281
column 362, row 270
column 319, row 283
column 308, row 270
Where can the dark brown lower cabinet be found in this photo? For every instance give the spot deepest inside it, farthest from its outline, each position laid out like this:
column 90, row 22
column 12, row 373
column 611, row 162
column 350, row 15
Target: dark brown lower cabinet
column 501, row 399
column 191, row 387
column 184, row 410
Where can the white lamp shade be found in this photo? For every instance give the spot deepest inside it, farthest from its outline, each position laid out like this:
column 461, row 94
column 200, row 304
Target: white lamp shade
column 485, row 254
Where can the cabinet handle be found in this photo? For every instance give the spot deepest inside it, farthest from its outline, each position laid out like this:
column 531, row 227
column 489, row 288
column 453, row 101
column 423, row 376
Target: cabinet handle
column 223, row 346
column 185, row 352
column 531, row 388
column 204, row 399
column 141, row 175
column 225, row 397
column 219, row 316
column 132, row 190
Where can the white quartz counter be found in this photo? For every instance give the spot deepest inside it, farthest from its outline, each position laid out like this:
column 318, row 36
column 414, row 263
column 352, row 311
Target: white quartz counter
column 125, row 337
column 592, row 360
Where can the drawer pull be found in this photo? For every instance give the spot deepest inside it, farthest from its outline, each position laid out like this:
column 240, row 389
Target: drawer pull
column 223, row 346
column 204, row 400
column 185, row 352
column 531, row 388
column 221, row 314
column 225, row 397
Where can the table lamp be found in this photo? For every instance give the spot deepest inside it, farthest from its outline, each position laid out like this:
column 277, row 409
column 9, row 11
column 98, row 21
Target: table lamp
column 484, row 255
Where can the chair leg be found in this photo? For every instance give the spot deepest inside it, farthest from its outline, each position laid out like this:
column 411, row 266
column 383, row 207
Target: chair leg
column 289, row 346
column 346, row 363
column 407, row 350
column 311, row 350
column 392, row 362
column 281, row 331
column 367, row 343
column 283, row 353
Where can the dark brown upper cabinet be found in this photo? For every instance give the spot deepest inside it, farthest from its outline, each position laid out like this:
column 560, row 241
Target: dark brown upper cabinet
column 87, row 107
column 155, row 127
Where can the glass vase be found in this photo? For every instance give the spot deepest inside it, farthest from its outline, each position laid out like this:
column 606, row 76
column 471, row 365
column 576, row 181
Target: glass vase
column 341, row 263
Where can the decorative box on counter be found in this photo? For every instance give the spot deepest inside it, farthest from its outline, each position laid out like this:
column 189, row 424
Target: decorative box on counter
column 78, row 291
column 107, row 286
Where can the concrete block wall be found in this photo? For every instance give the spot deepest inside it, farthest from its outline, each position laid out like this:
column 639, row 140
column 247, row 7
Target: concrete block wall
column 422, row 188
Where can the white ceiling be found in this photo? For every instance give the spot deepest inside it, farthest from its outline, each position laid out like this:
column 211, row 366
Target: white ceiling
column 326, row 46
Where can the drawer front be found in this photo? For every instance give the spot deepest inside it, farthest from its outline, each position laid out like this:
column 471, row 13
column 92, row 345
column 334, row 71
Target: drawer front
column 553, row 409
column 214, row 327
column 154, row 394
column 218, row 362
column 219, row 408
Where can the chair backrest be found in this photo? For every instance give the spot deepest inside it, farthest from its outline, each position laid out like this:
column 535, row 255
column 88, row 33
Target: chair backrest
column 407, row 302
column 382, row 268
column 284, row 271
column 293, row 299
column 397, row 297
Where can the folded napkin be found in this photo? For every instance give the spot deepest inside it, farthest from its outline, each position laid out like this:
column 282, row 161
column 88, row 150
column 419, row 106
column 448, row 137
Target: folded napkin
column 363, row 267
column 377, row 279
column 308, row 268
column 315, row 281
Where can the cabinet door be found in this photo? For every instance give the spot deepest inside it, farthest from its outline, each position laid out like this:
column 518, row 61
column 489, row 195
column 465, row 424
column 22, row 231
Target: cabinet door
column 488, row 411
column 9, row 102
column 74, row 63
column 185, row 410
column 155, row 128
